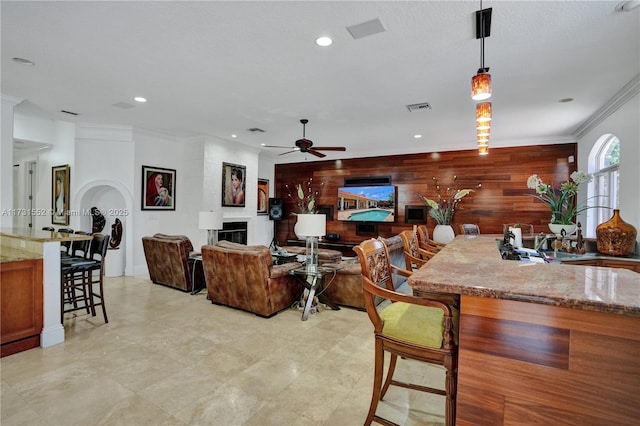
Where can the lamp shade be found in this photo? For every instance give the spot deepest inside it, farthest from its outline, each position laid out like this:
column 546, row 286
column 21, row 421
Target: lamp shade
column 210, row 220
column 481, row 86
column 311, row 225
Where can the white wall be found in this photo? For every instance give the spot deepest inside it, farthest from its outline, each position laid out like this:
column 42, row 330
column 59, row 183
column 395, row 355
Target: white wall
column 625, row 124
column 6, row 159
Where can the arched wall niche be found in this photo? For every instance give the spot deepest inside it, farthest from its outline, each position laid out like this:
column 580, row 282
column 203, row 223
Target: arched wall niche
column 114, row 201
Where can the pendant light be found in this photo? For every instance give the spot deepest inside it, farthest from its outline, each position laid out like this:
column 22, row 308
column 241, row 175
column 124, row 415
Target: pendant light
column 481, row 82
column 483, row 111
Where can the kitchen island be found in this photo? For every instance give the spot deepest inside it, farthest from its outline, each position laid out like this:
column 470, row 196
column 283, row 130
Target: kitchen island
column 539, row 343
column 37, row 251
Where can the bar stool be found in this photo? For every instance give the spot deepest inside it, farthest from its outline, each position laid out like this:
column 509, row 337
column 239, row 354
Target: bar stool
column 75, row 289
column 65, row 246
column 80, row 279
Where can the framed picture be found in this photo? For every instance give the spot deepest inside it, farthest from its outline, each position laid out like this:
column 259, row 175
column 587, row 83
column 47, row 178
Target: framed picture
column 233, row 185
column 60, row 195
column 263, row 196
column 158, row 188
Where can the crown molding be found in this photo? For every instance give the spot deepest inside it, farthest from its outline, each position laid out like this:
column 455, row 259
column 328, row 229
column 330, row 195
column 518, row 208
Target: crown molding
column 628, row 91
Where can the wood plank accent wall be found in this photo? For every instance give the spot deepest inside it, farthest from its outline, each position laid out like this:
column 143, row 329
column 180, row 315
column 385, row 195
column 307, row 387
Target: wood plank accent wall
column 503, row 175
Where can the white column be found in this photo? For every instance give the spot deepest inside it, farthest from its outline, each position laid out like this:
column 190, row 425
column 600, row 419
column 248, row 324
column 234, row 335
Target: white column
column 52, row 329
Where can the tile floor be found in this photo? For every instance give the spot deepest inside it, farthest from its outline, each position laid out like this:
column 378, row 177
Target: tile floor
column 169, row 358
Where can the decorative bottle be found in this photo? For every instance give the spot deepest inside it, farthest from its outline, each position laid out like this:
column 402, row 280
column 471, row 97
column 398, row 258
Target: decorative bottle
column 616, row 237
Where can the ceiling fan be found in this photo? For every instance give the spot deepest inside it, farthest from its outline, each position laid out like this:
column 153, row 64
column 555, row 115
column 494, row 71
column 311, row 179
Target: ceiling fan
column 305, row 145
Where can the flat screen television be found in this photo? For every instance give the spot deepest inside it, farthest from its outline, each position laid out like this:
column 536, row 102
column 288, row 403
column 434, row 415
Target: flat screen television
column 367, row 203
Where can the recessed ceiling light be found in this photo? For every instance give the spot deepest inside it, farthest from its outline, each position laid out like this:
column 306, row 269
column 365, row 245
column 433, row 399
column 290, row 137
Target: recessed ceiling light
column 565, row 100
column 324, row 41
column 140, row 99
column 417, row 136
column 234, row 136
column 23, row 61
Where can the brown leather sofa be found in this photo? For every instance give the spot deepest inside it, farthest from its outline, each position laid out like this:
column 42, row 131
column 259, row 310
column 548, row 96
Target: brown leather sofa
column 168, row 261
column 324, row 255
column 244, row 277
column 346, row 288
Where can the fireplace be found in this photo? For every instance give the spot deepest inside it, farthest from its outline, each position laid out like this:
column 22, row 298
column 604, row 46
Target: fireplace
column 233, row 231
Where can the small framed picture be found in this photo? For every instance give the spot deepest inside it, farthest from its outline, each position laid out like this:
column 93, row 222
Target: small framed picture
column 263, row 196
column 158, row 188
column 233, row 185
column 60, row 195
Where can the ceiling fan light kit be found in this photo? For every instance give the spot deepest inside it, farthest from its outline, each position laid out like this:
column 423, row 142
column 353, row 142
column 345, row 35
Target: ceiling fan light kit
column 481, row 84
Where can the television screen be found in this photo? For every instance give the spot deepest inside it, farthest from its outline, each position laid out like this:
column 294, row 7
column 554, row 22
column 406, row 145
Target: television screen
column 367, row 203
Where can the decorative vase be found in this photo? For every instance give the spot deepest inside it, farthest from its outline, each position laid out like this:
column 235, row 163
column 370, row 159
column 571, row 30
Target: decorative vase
column 443, row 234
column 616, row 237
column 557, row 228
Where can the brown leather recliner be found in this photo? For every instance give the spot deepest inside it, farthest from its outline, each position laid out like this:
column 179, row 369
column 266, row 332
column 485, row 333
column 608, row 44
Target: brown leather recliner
column 168, row 261
column 244, row 277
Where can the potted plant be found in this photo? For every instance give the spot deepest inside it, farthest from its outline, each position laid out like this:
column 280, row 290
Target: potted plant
column 443, row 206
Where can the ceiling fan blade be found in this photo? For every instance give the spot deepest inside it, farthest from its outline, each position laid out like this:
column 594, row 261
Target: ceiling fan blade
column 330, row 148
column 316, row 153
column 276, row 146
column 289, row 152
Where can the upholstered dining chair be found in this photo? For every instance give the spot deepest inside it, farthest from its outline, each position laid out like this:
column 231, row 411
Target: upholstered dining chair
column 414, row 256
column 410, row 327
column 425, row 242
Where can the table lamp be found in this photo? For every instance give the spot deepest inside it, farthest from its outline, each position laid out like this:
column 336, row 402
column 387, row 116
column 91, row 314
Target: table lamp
column 211, row 221
column 312, row 226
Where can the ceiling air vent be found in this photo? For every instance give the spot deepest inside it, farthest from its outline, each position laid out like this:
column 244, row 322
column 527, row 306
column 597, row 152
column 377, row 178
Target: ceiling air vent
column 418, row 107
column 255, row 130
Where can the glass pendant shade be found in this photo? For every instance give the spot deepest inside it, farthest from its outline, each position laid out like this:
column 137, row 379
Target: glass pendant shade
column 483, row 125
column 483, row 142
column 481, row 86
column 483, row 111
column 483, row 133
column 483, row 150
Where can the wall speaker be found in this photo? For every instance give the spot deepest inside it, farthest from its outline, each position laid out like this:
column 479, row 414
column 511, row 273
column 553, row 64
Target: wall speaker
column 276, row 208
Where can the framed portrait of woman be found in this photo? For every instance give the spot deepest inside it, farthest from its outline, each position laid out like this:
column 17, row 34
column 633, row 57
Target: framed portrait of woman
column 60, row 195
column 263, row 196
column 233, row 184
column 158, row 188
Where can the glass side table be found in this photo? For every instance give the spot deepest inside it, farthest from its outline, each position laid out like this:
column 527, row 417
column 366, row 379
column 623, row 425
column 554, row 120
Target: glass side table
column 312, row 279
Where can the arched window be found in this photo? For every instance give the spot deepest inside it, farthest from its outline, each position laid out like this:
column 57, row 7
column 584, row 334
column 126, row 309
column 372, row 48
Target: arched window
column 603, row 164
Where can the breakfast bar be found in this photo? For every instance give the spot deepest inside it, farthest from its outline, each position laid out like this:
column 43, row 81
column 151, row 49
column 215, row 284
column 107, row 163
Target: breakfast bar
column 539, row 341
column 19, row 247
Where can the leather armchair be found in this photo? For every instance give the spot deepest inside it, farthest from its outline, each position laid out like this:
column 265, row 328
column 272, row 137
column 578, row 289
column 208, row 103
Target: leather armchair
column 168, row 261
column 245, row 277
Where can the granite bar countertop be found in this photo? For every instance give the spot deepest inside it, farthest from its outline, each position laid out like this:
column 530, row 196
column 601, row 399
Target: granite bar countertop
column 41, row 236
column 473, row 266
column 10, row 254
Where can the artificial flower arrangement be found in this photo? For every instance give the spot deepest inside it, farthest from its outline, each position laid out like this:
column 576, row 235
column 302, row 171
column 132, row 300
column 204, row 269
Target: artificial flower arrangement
column 561, row 202
column 441, row 208
column 305, row 197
